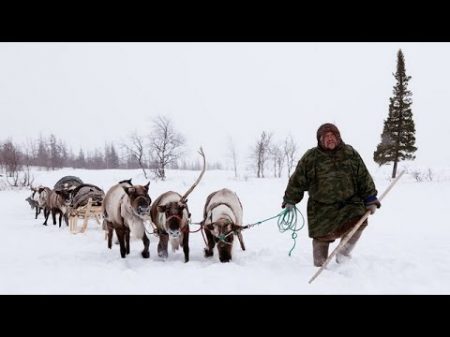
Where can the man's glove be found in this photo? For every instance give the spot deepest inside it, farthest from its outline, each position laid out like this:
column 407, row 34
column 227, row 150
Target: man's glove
column 373, row 204
column 287, row 206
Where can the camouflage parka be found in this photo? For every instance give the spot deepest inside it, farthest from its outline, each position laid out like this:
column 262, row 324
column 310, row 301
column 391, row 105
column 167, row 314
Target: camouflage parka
column 337, row 182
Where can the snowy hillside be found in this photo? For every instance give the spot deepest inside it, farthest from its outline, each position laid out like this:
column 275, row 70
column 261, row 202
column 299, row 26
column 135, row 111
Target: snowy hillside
column 404, row 250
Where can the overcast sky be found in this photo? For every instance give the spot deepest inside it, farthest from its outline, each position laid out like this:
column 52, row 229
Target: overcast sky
column 92, row 93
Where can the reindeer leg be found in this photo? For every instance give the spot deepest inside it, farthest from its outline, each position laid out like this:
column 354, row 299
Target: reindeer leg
column 210, row 250
column 46, row 214
column 186, row 245
column 54, row 217
column 60, row 218
column 241, row 240
column 225, row 253
column 110, row 230
column 127, row 239
column 120, row 235
column 145, row 253
column 162, row 245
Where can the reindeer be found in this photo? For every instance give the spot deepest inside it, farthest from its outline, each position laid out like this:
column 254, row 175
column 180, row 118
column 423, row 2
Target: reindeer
column 171, row 216
column 222, row 218
column 126, row 207
column 58, row 202
column 43, row 199
column 33, row 200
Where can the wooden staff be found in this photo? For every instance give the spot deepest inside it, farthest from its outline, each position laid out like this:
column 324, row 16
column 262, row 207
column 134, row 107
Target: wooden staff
column 350, row 234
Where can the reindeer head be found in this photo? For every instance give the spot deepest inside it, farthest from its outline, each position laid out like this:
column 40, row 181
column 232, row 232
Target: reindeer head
column 174, row 212
column 66, row 195
column 43, row 194
column 31, row 202
column 35, row 193
column 139, row 199
column 223, row 231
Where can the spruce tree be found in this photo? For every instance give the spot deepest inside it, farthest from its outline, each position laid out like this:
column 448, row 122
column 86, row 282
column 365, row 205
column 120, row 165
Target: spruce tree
column 398, row 137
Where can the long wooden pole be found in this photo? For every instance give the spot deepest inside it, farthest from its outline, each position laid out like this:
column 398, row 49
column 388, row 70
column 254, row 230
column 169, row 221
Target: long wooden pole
column 350, row 234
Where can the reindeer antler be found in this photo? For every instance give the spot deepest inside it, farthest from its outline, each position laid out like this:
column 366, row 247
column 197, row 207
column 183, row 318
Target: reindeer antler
column 183, row 198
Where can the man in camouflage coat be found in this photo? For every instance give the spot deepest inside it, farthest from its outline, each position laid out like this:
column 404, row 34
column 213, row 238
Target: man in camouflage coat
column 340, row 189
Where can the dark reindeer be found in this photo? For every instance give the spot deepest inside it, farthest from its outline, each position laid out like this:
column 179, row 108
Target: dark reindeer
column 58, row 202
column 126, row 207
column 222, row 218
column 33, row 200
column 170, row 214
column 43, row 198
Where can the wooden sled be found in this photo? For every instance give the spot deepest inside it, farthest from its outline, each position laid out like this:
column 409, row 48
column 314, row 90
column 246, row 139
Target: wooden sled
column 85, row 212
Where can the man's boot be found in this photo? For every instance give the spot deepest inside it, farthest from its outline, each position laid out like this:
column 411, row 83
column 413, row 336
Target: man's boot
column 344, row 253
column 320, row 252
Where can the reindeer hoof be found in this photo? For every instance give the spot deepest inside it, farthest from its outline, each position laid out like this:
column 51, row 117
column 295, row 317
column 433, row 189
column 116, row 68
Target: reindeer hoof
column 208, row 253
column 163, row 254
column 145, row 255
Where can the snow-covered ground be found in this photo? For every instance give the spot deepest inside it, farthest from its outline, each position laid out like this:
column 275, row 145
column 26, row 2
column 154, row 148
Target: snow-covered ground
column 404, row 250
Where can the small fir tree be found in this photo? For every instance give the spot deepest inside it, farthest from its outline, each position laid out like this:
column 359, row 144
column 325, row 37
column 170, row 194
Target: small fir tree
column 398, row 137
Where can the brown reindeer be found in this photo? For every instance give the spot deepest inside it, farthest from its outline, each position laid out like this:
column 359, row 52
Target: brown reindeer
column 222, row 218
column 170, row 214
column 58, row 203
column 43, row 199
column 126, row 207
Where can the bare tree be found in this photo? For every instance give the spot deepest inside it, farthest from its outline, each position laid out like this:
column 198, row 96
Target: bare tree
column 80, row 161
column 43, row 153
column 111, row 156
column 136, row 149
column 278, row 157
column 57, row 152
column 11, row 159
column 27, row 160
column 290, row 151
column 113, row 161
column 95, row 160
column 261, row 152
column 232, row 153
column 165, row 144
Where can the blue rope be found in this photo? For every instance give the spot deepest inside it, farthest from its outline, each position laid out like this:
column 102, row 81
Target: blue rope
column 288, row 221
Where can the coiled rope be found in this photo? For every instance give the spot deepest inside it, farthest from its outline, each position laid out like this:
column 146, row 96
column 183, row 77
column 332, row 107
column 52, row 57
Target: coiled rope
column 287, row 220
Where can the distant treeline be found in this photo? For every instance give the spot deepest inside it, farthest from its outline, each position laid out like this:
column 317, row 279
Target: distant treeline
column 160, row 149
column 52, row 153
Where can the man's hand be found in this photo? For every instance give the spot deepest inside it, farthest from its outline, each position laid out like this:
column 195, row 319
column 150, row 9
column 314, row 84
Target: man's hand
column 373, row 205
column 287, row 206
